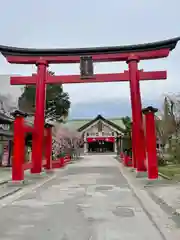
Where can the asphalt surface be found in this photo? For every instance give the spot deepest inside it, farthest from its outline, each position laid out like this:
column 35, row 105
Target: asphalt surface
column 88, row 200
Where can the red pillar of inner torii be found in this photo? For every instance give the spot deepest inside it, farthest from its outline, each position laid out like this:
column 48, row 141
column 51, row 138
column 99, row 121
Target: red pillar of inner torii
column 150, row 132
column 130, row 54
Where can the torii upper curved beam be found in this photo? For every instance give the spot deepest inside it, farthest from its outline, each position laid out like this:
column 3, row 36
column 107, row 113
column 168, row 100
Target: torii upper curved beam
column 72, row 55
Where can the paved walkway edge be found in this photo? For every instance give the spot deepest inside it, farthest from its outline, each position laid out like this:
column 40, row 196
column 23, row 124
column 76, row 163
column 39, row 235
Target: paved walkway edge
column 164, row 176
column 159, row 219
column 4, row 181
column 16, row 194
column 10, row 192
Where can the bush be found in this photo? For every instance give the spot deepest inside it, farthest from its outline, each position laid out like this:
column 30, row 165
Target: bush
column 172, row 171
column 61, row 154
column 161, row 161
column 174, row 153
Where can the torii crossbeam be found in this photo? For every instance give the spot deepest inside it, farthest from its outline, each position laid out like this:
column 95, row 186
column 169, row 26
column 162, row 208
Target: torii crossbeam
column 109, row 77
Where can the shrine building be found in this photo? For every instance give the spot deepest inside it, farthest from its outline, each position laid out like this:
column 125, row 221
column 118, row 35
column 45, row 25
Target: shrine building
column 99, row 134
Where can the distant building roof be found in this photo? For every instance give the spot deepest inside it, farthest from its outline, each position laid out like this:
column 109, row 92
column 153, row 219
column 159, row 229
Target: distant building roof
column 79, row 123
column 4, row 119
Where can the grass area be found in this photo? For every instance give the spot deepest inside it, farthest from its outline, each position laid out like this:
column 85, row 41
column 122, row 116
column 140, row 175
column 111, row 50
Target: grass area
column 171, row 171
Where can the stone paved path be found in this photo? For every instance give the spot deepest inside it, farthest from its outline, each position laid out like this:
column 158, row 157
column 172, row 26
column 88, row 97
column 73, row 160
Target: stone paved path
column 5, row 175
column 88, row 200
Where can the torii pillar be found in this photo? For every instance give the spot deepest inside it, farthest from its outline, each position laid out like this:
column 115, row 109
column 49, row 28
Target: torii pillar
column 150, row 130
column 137, row 126
column 38, row 134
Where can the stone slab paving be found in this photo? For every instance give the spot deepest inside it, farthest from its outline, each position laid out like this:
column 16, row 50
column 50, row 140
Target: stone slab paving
column 168, row 196
column 8, row 188
column 88, row 200
column 5, row 174
column 162, row 215
column 165, row 192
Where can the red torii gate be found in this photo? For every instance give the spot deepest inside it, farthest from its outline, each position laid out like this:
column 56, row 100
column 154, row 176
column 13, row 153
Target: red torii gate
column 131, row 54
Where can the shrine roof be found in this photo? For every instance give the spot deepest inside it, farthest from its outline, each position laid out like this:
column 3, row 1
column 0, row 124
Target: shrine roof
column 16, row 51
column 80, row 124
column 6, row 133
column 4, row 119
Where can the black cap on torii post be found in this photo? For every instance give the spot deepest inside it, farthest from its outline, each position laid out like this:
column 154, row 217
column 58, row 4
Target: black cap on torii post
column 149, row 109
column 19, row 113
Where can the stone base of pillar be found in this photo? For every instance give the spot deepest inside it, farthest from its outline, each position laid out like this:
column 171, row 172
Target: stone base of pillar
column 141, row 174
column 17, row 183
column 152, row 182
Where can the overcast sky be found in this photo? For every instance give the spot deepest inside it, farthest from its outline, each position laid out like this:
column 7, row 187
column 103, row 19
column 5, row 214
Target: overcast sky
column 79, row 23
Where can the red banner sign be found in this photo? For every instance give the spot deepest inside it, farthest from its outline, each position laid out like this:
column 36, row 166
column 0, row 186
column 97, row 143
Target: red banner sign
column 106, row 139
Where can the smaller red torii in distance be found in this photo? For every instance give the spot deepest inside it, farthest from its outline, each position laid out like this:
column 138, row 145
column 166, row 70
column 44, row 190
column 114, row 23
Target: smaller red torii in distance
column 108, row 77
